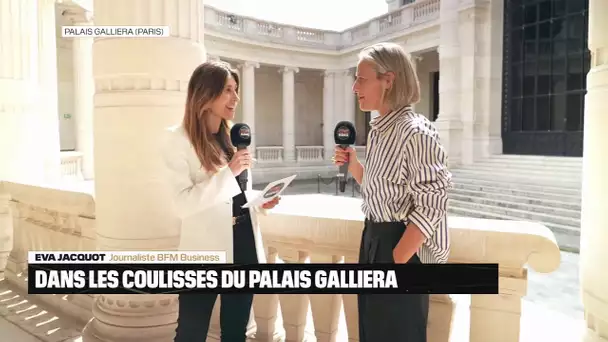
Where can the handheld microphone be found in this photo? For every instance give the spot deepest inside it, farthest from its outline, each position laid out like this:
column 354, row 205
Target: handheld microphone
column 344, row 135
column 240, row 136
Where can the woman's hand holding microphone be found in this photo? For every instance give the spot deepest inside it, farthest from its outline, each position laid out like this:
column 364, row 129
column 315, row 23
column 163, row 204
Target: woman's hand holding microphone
column 343, row 155
column 240, row 162
column 348, row 154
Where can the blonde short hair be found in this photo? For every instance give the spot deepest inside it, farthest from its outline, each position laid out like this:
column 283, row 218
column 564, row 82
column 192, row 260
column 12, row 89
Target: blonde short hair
column 390, row 57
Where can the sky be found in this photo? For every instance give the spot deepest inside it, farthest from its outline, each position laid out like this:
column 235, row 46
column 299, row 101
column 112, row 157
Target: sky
column 320, row 14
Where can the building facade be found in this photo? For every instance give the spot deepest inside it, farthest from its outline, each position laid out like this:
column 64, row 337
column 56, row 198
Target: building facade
column 136, row 87
column 496, row 77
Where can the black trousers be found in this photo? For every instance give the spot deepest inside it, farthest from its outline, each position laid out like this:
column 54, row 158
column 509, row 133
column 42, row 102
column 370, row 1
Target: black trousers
column 195, row 309
column 389, row 317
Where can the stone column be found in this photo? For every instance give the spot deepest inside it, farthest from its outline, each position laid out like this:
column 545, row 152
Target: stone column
column 594, row 211
column 84, row 90
column 329, row 78
column 349, row 97
column 488, row 130
column 248, row 98
column 481, row 88
column 415, row 59
column 141, row 87
column 49, row 108
column 21, row 145
column 472, row 80
column 289, row 138
column 448, row 123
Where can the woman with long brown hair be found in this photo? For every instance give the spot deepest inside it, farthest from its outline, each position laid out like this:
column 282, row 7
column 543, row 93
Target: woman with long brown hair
column 205, row 177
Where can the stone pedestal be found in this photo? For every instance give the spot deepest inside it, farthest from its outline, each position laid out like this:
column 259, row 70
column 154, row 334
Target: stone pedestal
column 594, row 211
column 141, row 87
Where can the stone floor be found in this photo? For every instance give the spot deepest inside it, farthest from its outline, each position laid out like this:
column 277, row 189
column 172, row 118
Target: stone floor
column 22, row 320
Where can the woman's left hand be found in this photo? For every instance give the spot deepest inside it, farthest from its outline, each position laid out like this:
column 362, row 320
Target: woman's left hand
column 271, row 204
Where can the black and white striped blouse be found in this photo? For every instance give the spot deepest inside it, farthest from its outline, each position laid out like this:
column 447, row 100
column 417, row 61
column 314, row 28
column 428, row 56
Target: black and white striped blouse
column 406, row 179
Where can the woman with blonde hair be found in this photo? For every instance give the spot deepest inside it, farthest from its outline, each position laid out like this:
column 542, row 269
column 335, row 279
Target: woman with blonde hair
column 404, row 188
column 205, row 178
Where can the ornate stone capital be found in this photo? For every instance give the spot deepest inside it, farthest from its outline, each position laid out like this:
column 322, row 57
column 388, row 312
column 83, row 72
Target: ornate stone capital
column 416, row 58
column 329, row 72
column 350, row 72
column 77, row 16
column 249, row 64
column 288, row 69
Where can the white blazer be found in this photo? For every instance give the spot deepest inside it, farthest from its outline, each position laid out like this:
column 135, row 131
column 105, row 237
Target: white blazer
column 203, row 200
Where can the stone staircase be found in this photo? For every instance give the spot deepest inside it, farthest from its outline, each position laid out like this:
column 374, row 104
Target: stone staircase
column 530, row 188
column 511, row 187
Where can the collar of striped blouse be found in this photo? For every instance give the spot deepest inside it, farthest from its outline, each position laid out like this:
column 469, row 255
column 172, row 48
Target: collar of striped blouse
column 383, row 122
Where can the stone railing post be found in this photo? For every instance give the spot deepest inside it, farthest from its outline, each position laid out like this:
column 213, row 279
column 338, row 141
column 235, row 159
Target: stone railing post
column 498, row 317
column 514, row 246
column 6, row 229
column 141, row 86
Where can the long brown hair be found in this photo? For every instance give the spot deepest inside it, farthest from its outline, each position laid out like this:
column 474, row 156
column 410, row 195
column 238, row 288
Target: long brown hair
column 206, row 84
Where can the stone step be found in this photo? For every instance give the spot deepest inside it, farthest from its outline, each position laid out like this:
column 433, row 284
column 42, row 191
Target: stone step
column 526, row 164
column 524, row 190
column 519, row 178
column 538, row 159
column 567, row 238
column 490, row 167
column 520, row 203
column 525, row 173
column 519, row 213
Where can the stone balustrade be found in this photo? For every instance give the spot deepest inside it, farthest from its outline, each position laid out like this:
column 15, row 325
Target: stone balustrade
column 309, row 153
column 45, row 219
column 414, row 13
column 71, row 165
column 303, row 229
column 269, row 154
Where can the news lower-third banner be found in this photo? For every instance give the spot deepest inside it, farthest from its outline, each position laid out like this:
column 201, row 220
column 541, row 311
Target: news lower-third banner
column 80, row 273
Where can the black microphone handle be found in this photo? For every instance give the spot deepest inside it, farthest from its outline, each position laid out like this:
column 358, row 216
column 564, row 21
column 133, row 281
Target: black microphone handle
column 243, row 177
column 343, row 173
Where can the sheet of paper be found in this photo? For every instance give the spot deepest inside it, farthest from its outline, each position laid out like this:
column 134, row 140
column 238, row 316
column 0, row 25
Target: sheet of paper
column 271, row 191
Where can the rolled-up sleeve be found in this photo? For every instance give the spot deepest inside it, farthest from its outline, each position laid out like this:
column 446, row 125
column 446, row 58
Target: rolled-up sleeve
column 429, row 181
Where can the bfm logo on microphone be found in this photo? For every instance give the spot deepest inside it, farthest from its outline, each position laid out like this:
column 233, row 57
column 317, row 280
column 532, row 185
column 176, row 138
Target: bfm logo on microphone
column 244, row 132
column 343, row 133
